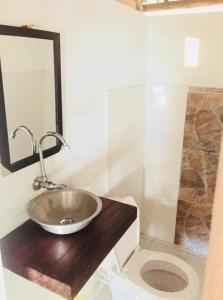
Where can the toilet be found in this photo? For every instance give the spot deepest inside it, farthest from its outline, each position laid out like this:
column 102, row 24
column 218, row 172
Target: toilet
column 153, row 275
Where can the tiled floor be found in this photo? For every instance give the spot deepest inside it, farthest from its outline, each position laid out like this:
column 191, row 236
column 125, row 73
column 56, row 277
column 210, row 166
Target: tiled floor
column 197, row 261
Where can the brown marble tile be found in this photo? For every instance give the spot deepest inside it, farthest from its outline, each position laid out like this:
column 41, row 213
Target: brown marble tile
column 195, row 229
column 180, row 221
column 219, row 110
column 205, row 197
column 206, row 145
column 195, row 89
column 217, row 141
column 201, row 148
column 194, row 102
column 212, row 101
column 211, row 178
column 207, row 124
column 188, row 194
column 201, row 211
column 221, row 117
column 207, row 221
column 215, row 90
column 183, row 208
column 194, row 160
column 180, row 236
column 212, row 158
column 191, row 179
column 190, row 135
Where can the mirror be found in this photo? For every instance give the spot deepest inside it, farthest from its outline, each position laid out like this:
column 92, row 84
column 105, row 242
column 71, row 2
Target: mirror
column 30, row 94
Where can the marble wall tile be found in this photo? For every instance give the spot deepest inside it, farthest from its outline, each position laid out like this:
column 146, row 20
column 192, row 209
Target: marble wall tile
column 195, row 89
column 205, row 197
column 207, row 124
column 201, row 148
column 194, row 160
column 212, row 101
column 184, row 208
column 217, row 141
column 190, row 135
column 188, row 194
column 195, row 101
column 191, row 179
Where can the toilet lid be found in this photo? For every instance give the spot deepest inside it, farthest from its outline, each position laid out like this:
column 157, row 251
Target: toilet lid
column 182, row 281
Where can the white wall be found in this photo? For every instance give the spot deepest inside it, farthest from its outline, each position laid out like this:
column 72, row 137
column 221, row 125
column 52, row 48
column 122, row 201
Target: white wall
column 166, row 38
column 165, row 118
column 145, row 137
column 103, row 46
column 126, row 130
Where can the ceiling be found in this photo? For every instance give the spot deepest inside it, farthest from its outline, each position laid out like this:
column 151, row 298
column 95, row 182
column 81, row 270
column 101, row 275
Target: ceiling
column 158, row 5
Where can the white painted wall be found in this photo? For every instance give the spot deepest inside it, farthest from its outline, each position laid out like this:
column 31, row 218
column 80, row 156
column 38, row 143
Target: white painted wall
column 166, row 38
column 165, row 118
column 126, row 131
column 145, row 137
column 103, row 47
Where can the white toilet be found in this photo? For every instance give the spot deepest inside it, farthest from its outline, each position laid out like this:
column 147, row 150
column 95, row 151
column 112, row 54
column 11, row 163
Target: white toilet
column 153, row 275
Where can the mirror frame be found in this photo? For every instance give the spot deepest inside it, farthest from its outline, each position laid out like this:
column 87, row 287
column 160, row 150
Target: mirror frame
column 4, row 138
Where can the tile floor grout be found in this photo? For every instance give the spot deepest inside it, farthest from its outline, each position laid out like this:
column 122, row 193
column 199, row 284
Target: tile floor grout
column 172, row 245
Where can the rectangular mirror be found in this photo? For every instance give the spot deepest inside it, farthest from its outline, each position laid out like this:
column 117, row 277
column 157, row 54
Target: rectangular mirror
column 30, row 94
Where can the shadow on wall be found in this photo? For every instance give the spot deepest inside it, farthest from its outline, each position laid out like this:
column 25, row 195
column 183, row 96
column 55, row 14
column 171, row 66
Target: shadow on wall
column 124, row 180
column 131, row 185
column 126, row 171
column 86, row 175
column 155, row 221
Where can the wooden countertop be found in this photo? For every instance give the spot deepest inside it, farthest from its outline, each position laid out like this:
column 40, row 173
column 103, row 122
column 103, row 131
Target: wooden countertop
column 63, row 264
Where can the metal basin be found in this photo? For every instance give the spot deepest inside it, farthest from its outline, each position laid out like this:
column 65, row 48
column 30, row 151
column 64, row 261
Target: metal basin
column 64, row 212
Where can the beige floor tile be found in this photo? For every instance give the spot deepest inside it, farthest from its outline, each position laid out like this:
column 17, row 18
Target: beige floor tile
column 145, row 243
column 168, row 248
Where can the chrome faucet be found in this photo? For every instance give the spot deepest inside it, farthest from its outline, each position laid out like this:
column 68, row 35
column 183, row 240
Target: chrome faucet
column 42, row 181
column 28, row 132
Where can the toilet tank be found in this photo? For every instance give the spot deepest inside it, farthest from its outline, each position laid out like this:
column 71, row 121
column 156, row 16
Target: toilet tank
column 130, row 240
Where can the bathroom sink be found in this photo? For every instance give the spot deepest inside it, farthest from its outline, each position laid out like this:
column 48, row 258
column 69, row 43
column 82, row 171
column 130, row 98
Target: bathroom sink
column 64, row 211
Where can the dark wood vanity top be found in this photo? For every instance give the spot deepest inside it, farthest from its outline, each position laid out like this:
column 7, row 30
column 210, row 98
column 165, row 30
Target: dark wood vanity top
column 63, row 264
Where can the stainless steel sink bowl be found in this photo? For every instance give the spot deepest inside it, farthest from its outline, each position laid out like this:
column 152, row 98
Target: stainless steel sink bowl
column 64, row 211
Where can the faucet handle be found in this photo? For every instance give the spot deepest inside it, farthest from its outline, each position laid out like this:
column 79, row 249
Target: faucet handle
column 42, row 182
column 38, row 182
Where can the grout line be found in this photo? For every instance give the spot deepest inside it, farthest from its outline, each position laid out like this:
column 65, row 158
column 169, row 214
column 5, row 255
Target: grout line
column 173, row 246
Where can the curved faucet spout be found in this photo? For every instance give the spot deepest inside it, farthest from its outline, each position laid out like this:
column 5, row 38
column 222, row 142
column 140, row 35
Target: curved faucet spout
column 42, row 181
column 28, row 132
column 56, row 135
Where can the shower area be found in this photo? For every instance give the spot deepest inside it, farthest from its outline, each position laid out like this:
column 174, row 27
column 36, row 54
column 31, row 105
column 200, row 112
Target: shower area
column 200, row 155
column 164, row 152
column 164, row 137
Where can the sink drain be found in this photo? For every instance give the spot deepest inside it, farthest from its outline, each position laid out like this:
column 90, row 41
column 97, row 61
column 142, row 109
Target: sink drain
column 66, row 221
